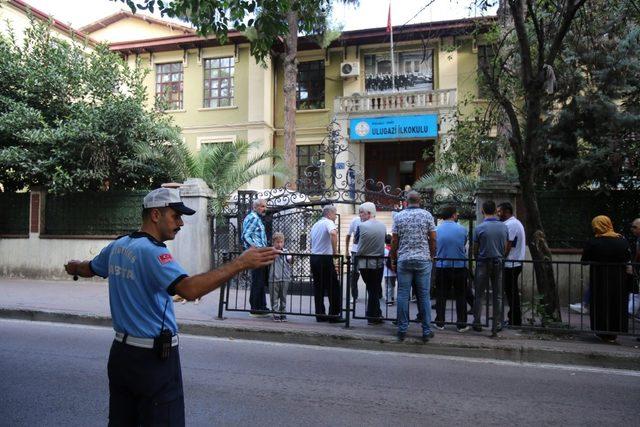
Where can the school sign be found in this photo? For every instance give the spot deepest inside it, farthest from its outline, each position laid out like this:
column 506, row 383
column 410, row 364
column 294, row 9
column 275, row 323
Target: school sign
column 394, row 127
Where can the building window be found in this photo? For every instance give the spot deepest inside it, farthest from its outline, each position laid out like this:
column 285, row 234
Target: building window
column 169, row 85
column 218, row 82
column 310, row 93
column 309, row 170
column 486, row 58
column 413, row 71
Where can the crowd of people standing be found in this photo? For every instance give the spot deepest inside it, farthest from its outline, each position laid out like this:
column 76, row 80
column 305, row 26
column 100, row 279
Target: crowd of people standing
column 404, row 259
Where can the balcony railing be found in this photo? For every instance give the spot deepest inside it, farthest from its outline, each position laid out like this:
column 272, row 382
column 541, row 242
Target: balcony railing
column 444, row 98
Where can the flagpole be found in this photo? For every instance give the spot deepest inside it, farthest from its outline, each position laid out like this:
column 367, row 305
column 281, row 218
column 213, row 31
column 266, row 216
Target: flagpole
column 393, row 66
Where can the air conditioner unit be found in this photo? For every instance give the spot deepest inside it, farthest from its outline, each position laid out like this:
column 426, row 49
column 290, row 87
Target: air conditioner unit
column 349, row 69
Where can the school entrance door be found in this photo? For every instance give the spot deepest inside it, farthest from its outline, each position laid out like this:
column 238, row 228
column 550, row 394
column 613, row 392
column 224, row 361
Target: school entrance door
column 397, row 163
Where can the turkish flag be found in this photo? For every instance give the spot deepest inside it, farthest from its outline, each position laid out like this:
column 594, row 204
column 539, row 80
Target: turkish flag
column 389, row 19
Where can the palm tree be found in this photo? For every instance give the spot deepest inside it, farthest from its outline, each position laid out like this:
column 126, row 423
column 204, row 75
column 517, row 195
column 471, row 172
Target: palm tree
column 460, row 185
column 225, row 167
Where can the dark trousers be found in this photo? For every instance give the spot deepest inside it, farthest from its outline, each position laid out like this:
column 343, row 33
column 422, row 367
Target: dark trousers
column 144, row 390
column 489, row 273
column 372, row 277
column 445, row 279
column 512, row 292
column 353, row 280
column 257, row 296
column 325, row 280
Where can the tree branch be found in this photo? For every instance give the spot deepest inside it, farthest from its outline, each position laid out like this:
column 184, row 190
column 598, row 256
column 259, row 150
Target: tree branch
column 539, row 34
column 567, row 18
column 521, row 31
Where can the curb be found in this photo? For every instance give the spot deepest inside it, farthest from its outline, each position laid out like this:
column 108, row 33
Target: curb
column 501, row 350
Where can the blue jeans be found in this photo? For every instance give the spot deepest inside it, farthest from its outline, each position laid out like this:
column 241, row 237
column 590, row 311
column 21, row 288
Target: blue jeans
column 408, row 271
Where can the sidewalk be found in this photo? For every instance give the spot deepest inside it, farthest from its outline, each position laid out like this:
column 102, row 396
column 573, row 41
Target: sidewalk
column 87, row 302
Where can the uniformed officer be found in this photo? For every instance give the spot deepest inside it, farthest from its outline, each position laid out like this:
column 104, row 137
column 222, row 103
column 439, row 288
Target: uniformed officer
column 145, row 379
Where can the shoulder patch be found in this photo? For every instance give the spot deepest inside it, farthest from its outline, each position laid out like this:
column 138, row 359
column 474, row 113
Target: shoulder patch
column 165, row 258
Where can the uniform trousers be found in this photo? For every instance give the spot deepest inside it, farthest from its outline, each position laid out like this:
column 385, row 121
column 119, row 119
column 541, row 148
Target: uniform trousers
column 144, row 390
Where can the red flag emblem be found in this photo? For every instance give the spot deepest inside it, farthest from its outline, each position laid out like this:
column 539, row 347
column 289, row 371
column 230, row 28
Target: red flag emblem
column 165, row 258
column 389, row 19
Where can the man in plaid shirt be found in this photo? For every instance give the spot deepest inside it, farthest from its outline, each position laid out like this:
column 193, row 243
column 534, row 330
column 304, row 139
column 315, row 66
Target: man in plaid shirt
column 254, row 234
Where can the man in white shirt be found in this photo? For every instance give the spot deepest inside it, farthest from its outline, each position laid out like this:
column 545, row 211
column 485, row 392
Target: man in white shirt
column 512, row 266
column 324, row 245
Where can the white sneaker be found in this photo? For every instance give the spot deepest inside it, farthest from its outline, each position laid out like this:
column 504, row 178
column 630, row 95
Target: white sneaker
column 579, row 308
column 464, row 329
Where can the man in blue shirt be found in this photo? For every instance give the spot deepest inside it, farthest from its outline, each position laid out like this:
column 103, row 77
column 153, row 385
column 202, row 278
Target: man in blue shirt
column 254, row 234
column 451, row 268
column 490, row 246
column 145, row 379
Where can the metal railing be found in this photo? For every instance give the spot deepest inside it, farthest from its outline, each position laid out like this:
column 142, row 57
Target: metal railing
column 396, row 101
column 306, row 275
column 608, row 307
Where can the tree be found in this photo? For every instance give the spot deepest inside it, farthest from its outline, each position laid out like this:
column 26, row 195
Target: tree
column 225, row 167
column 63, row 110
column 529, row 42
column 593, row 138
column 266, row 23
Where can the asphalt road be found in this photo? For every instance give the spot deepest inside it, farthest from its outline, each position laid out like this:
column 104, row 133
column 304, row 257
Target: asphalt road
column 55, row 374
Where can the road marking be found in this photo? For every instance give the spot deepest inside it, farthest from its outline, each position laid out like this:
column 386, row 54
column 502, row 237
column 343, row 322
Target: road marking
column 386, row 354
column 573, row 368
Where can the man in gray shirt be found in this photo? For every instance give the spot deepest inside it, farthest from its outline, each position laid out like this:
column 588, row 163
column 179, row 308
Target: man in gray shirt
column 490, row 246
column 370, row 239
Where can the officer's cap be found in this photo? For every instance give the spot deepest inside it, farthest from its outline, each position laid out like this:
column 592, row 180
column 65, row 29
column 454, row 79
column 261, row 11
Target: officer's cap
column 166, row 197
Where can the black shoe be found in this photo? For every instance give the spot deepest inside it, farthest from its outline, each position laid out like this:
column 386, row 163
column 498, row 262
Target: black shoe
column 338, row 320
column 425, row 339
column 477, row 328
column 321, row 319
column 375, row 321
column 395, row 323
column 401, row 336
column 431, row 334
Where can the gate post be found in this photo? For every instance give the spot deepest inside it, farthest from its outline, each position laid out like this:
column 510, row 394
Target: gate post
column 192, row 246
column 225, row 258
column 348, row 287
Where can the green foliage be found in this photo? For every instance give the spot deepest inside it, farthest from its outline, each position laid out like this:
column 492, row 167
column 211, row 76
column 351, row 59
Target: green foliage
column 538, row 311
column 458, row 184
column 469, row 149
column 225, row 167
column 593, row 138
column 583, row 133
column 70, row 118
column 264, row 21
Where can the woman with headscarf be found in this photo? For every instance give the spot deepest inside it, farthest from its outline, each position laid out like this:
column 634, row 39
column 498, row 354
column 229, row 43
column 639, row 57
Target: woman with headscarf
column 608, row 252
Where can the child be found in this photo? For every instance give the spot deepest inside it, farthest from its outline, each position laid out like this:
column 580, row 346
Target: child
column 389, row 275
column 279, row 279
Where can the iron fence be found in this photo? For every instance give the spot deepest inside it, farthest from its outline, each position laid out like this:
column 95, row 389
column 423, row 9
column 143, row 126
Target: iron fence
column 599, row 298
column 303, row 296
